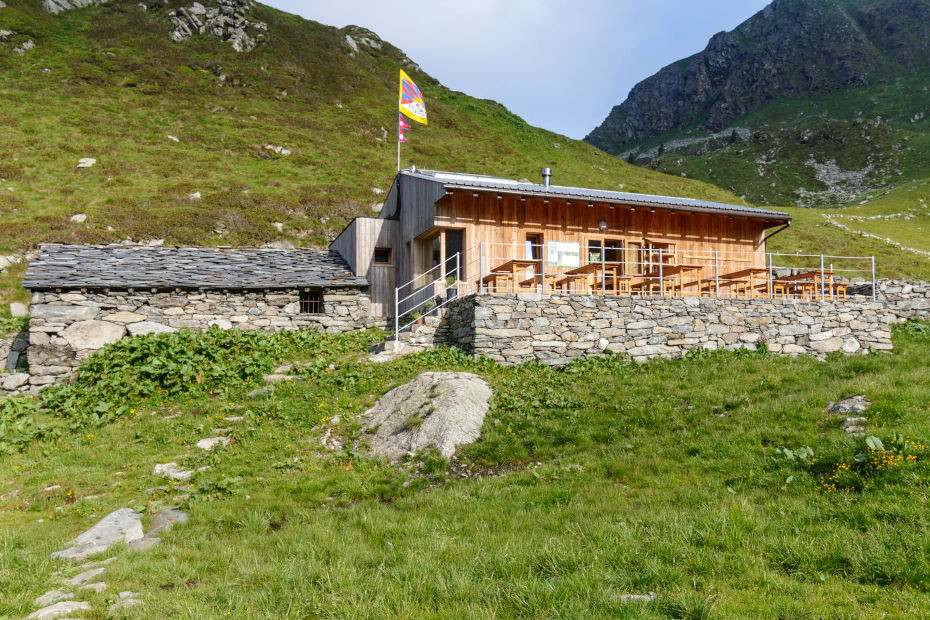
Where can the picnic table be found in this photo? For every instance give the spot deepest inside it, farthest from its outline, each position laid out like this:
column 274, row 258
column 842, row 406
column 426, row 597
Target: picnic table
column 808, row 283
column 735, row 281
column 580, row 277
column 506, row 274
column 676, row 275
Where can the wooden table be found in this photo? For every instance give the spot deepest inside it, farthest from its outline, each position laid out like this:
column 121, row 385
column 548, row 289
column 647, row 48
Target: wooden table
column 507, row 273
column 735, row 278
column 810, row 281
column 673, row 273
column 537, row 279
column 602, row 272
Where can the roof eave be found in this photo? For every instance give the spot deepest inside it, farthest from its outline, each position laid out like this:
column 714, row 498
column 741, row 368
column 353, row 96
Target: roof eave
column 761, row 214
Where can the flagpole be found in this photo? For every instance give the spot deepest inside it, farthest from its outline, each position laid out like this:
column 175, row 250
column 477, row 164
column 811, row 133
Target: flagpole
column 398, row 148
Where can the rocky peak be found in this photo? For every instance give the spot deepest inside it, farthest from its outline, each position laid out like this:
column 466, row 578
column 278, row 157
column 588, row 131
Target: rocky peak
column 792, row 48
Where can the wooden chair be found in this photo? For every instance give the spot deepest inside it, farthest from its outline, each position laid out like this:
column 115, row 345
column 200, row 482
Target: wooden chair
column 839, row 289
column 781, row 290
column 740, row 289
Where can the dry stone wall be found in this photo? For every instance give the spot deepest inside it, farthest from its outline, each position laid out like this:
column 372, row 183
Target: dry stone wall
column 66, row 328
column 557, row 329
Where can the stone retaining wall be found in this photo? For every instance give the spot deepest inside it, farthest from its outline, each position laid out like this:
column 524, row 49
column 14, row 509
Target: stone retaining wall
column 66, row 328
column 558, row 328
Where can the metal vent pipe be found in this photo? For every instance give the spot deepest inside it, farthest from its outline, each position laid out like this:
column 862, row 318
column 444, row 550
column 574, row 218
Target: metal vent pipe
column 547, row 175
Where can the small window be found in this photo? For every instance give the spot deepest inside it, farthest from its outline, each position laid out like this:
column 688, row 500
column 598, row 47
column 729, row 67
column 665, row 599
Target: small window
column 382, row 256
column 311, row 302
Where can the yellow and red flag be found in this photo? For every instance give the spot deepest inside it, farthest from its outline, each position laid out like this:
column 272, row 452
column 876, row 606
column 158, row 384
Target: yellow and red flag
column 411, row 100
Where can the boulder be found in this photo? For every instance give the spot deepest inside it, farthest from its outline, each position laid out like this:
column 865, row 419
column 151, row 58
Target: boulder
column 121, row 525
column 18, row 310
column 442, row 410
column 86, row 162
column 148, row 327
column 79, row 218
column 92, row 335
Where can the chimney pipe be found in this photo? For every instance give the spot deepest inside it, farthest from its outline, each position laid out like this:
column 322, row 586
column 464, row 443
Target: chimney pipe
column 547, row 175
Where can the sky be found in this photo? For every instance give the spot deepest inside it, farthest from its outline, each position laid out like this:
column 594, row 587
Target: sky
column 559, row 64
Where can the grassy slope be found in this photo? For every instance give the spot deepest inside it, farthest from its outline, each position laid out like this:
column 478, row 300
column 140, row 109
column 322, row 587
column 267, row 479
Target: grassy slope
column 117, row 87
column 663, row 477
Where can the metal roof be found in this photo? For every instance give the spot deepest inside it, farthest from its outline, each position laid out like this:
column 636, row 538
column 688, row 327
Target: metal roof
column 113, row 266
column 453, row 180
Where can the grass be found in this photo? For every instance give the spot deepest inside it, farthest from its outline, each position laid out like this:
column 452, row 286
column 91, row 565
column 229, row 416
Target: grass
column 608, row 478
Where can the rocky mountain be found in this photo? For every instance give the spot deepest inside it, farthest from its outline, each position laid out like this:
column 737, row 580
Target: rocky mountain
column 790, row 49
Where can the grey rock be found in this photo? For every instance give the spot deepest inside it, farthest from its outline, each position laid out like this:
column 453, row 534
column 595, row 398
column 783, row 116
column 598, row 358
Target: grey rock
column 122, row 525
column 92, row 335
column 86, row 162
column 2, row 4
column 18, row 310
column 124, row 604
column 59, row 610
column 443, row 410
column 79, row 218
column 855, row 405
column 61, row 314
column 164, row 521
column 211, row 442
column 637, row 598
column 100, row 586
column 52, row 596
column 143, row 543
column 86, row 576
column 148, row 327
column 172, row 471
column 14, row 381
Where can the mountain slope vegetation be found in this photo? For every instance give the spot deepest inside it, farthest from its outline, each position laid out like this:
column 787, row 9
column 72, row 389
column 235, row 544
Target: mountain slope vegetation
column 165, row 120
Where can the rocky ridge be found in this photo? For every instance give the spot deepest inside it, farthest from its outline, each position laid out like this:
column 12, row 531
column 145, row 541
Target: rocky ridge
column 60, row 6
column 792, row 48
column 226, row 21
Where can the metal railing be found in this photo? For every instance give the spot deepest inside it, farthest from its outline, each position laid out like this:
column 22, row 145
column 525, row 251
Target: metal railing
column 653, row 270
column 427, row 293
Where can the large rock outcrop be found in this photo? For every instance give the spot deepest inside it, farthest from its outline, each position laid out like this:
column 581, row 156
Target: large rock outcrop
column 226, row 20
column 442, row 410
column 60, row 6
column 792, row 48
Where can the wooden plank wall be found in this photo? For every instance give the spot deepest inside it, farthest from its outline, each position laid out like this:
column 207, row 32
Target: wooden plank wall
column 356, row 244
column 507, row 220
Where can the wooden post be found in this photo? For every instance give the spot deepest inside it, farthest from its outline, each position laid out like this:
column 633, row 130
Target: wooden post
column 717, row 272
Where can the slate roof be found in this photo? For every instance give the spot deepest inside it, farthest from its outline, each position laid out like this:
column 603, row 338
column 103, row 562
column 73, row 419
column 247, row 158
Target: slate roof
column 454, row 180
column 120, row 267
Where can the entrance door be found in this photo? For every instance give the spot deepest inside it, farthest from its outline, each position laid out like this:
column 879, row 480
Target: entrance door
column 455, row 244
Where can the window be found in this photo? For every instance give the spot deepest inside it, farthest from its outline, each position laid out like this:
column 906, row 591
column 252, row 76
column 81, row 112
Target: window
column 382, row 256
column 311, row 302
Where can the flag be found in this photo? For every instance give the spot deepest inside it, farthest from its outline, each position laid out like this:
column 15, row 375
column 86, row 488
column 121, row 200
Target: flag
column 402, row 126
column 411, row 99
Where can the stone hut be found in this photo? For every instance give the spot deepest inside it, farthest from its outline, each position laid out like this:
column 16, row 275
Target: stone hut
column 84, row 297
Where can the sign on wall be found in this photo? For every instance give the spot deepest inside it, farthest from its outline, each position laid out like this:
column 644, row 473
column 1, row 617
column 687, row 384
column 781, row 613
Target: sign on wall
column 563, row 254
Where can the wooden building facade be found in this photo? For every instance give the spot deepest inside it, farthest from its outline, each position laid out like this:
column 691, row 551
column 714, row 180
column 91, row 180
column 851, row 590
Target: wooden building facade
column 436, row 220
